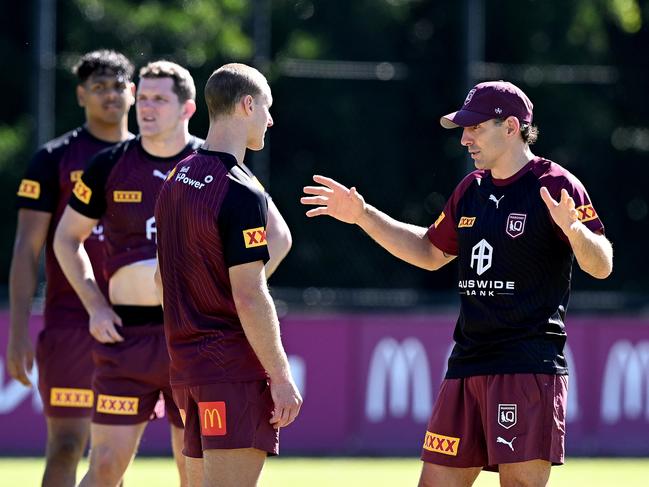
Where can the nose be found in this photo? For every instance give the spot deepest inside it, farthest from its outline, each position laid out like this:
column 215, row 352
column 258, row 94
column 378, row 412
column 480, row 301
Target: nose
column 270, row 121
column 466, row 140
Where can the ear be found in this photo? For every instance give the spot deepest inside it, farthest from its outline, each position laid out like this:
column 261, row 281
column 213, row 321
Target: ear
column 81, row 93
column 189, row 108
column 248, row 103
column 513, row 125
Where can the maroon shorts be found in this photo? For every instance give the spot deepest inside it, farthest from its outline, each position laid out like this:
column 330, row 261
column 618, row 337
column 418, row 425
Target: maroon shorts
column 131, row 376
column 65, row 368
column 227, row 416
column 487, row 420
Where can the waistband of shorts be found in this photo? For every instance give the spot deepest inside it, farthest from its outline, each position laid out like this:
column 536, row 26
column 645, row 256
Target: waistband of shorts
column 139, row 315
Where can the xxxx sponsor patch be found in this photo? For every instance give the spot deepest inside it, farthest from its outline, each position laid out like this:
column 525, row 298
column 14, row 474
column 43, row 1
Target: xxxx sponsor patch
column 75, row 175
column 29, row 189
column 212, row 416
column 71, row 398
column 127, row 196
column 586, row 213
column 120, row 405
column 446, row 445
column 254, row 237
column 466, row 222
column 82, row 192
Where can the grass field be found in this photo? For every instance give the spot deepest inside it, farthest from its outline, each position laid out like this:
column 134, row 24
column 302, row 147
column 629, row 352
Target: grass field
column 343, row 472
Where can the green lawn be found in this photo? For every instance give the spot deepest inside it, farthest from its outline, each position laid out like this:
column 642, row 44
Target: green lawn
column 343, row 472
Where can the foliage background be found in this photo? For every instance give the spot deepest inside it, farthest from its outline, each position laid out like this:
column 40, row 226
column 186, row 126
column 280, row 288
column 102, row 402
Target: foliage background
column 581, row 62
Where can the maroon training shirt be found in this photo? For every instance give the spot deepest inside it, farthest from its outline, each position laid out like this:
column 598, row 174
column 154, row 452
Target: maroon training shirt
column 46, row 186
column 515, row 266
column 120, row 186
column 211, row 216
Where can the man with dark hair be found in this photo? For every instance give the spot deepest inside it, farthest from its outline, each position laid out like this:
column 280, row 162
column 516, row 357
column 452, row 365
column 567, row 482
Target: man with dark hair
column 105, row 92
column 229, row 372
column 120, row 187
column 515, row 225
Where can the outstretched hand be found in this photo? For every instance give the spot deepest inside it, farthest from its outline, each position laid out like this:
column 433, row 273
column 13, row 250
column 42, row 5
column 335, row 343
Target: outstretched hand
column 563, row 212
column 333, row 199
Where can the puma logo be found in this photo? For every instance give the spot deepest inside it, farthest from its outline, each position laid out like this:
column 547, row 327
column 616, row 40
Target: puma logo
column 502, row 440
column 160, row 174
column 495, row 200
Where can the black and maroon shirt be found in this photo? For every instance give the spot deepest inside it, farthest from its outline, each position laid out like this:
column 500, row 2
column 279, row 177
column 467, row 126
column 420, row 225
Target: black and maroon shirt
column 46, row 186
column 120, row 187
column 515, row 267
column 211, row 216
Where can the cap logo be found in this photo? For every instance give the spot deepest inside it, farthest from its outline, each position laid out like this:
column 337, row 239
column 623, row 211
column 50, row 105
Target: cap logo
column 469, row 96
column 498, row 110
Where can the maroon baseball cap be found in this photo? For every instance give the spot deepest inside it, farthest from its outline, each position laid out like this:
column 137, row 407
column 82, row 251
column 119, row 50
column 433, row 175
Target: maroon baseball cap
column 492, row 99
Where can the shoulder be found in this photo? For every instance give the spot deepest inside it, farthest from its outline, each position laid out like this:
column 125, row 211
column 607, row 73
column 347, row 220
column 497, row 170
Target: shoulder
column 105, row 159
column 555, row 177
column 474, row 178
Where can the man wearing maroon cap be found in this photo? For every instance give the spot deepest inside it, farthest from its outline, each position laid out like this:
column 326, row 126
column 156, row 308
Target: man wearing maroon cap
column 515, row 224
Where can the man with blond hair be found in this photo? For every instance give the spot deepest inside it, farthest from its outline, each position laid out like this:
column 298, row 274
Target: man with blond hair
column 229, row 371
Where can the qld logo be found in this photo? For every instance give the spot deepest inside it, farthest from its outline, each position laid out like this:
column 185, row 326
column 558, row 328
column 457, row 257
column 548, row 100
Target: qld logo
column 507, row 416
column 515, row 224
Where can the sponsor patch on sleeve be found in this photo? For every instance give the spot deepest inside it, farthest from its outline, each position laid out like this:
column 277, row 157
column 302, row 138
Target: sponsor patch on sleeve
column 586, row 213
column 446, row 445
column 127, row 196
column 119, row 405
column 439, row 219
column 29, row 189
column 71, row 398
column 75, row 175
column 466, row 222
column 82, row 192
column 212, row 417
column 254, row 237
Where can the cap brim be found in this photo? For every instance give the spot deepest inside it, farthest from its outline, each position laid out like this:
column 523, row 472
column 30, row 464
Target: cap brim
column 463, row 118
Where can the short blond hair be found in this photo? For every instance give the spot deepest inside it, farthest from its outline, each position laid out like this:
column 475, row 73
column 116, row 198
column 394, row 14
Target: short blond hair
column 228, row 84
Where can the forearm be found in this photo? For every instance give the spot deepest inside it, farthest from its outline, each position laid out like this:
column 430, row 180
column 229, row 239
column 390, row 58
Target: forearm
column 261, row 326
column 405, row 241
column 23, row 279
column 75, row 263
column 594, row 253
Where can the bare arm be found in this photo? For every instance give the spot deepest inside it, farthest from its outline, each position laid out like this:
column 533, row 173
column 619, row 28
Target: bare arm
column 31, row 233
column 261, row 326
column 405, row 241
column 594, row 253
column 278, row 237
column 73, row 229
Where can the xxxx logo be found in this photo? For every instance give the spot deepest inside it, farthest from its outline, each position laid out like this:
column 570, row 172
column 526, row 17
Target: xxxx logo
column 586, row 213
column 127, row 196
column 254, row 237
column 71, row 398
column 446, row 445
column 212, row 416
column 29, row 189
column 82, row 192
column 75, row 175
column 466, row 222
column 121, row 405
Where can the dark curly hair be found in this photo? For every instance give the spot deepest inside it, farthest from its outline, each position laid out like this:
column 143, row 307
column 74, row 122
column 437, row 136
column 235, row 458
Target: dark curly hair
column 103, row 61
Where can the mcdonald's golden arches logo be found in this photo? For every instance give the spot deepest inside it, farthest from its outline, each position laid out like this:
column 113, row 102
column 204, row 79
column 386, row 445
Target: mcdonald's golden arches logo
column 212, row 416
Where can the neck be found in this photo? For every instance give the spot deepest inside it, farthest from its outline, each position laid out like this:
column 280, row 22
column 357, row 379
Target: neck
column 226, row 137
column 109, row 132
column 512, row 162
column 161, row 146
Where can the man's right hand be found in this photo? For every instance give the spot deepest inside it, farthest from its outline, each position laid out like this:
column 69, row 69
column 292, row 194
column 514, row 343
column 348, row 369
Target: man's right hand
column 20, row 358
column 102, row 325
column 287, row 402
column 334, row 199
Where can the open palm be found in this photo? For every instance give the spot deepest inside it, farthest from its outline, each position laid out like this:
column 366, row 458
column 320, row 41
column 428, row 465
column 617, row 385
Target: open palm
column 333, row 199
